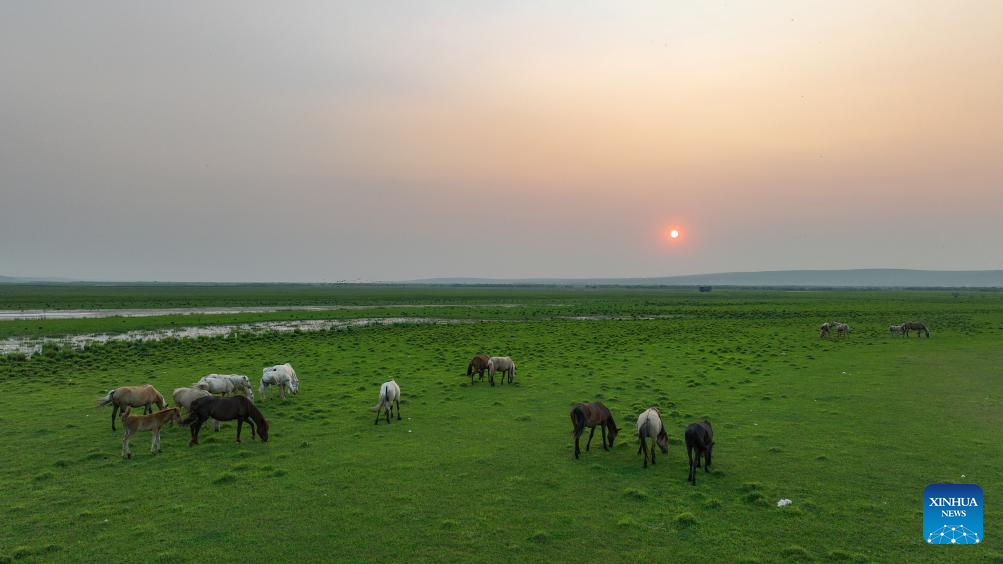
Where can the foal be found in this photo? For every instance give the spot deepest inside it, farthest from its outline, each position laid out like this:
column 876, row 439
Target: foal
column 136, row 423
column 589, row 415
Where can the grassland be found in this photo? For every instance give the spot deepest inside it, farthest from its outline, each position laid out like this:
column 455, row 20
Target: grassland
column 851, row 431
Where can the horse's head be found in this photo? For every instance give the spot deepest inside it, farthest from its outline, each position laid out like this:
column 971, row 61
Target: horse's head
column 160, row 401
column 263, row 430
column 663, row 441
column 175, row 415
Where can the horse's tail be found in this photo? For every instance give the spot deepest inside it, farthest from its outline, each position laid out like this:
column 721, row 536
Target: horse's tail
column 577, row 419
column 383, row 400
column 106, row 400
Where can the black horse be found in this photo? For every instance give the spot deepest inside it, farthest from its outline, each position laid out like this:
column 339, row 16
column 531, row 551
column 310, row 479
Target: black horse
column 699, row 438
column 225, row 409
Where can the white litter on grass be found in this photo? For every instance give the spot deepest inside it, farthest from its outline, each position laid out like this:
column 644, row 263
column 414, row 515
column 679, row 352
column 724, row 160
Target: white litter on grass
column 784, row 502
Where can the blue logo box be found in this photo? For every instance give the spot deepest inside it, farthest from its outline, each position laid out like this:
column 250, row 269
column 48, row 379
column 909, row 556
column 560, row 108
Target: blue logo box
column 952, row 514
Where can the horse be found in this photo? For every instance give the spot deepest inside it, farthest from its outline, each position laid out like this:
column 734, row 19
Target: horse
column 226, row 409
column 136, row 423
column 390, row 393
column 225, row 384
column 918, row 326
column 649, row 425
column 132, row 396
column 281, row 375
column 184, row 397
column 895, row 329
column 823, row 330
column 502, row 364
column 478, row 364
column 842, row 330
column 589, row 415
column 699, row 438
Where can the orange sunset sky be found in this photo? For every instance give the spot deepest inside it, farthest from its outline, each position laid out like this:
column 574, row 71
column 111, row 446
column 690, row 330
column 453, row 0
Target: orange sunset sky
column 319, row 141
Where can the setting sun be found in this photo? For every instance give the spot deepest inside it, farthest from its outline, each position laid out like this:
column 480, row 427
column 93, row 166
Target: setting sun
column 674, row 234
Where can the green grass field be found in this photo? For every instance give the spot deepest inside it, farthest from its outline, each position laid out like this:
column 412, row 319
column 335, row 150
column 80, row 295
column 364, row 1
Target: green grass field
column 851, row 431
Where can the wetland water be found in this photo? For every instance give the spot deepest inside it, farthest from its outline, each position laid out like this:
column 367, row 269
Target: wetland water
column 32, row 345
column 11, row 314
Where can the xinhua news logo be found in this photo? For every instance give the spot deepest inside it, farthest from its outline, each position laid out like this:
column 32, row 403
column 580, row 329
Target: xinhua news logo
column 952, row 514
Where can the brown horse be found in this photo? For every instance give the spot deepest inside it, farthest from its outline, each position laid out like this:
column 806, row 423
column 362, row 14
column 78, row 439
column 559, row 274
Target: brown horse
column 136, row 423
column 132, row 396
column 477, row 364
column 225, row 409
column 918, row 326
column 589, row 415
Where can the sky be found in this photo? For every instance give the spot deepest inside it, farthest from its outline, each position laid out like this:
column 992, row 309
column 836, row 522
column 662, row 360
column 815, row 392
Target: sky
column 327, row 141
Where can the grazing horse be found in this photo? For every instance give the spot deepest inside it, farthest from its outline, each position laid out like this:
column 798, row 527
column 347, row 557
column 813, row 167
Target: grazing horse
column 226, row 409
column 502, row 364
column 183, row 397
column 281, row 375
column 132, row 396
column 699, row 438
column 823, row 330
column 649, row 425
column 896, row 329
column 136, row 423
column 589, row 415
column 478, row 364
column 918, row 326
column 225, row 384
column 390, row 393
column 842, row 330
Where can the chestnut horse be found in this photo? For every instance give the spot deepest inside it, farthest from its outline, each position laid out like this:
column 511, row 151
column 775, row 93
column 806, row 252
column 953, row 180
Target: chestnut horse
column 226, row 409
column 136, row 423
column 477, row 364
column 589, row 415
column 132, row 396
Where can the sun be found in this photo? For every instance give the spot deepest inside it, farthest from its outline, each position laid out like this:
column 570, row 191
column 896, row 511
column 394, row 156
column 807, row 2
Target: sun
column 674, row 234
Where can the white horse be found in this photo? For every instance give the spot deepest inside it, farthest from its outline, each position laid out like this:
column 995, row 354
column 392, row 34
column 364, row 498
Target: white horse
column 502, row 364
column 185, row 396
column 390, row 393
column 281, row 375
column 649, row 426
column 896, row 330
column 842, row 329
column 225, row 384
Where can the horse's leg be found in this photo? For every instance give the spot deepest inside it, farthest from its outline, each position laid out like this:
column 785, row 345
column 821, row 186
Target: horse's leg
column 389, row 407
column 603, row 427
column 588, row 445
column 398, row 402
column 125, row 444
column 644, row 448
column 706, row 461
column 147, row 409
column 195, row 432
column 690, row 475
column 215, row 425
column 578, row 434
column 153, row 443
column 379, row 412
column 240, row 423
column 114, row 412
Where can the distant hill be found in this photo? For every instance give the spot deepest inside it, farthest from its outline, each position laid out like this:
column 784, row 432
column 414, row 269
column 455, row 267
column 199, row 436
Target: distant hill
column 856, row 278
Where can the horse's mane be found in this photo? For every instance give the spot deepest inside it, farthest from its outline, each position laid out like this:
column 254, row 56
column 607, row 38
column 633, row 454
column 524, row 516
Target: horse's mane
column 253, row 411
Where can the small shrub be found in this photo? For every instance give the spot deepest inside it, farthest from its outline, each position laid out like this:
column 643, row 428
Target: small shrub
column 684, row 520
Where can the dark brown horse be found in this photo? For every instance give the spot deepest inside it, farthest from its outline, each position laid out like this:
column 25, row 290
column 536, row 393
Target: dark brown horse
column 225, row 409
column 699, row 438
column 589, row 415
column 918, row 326
column 477, row 364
